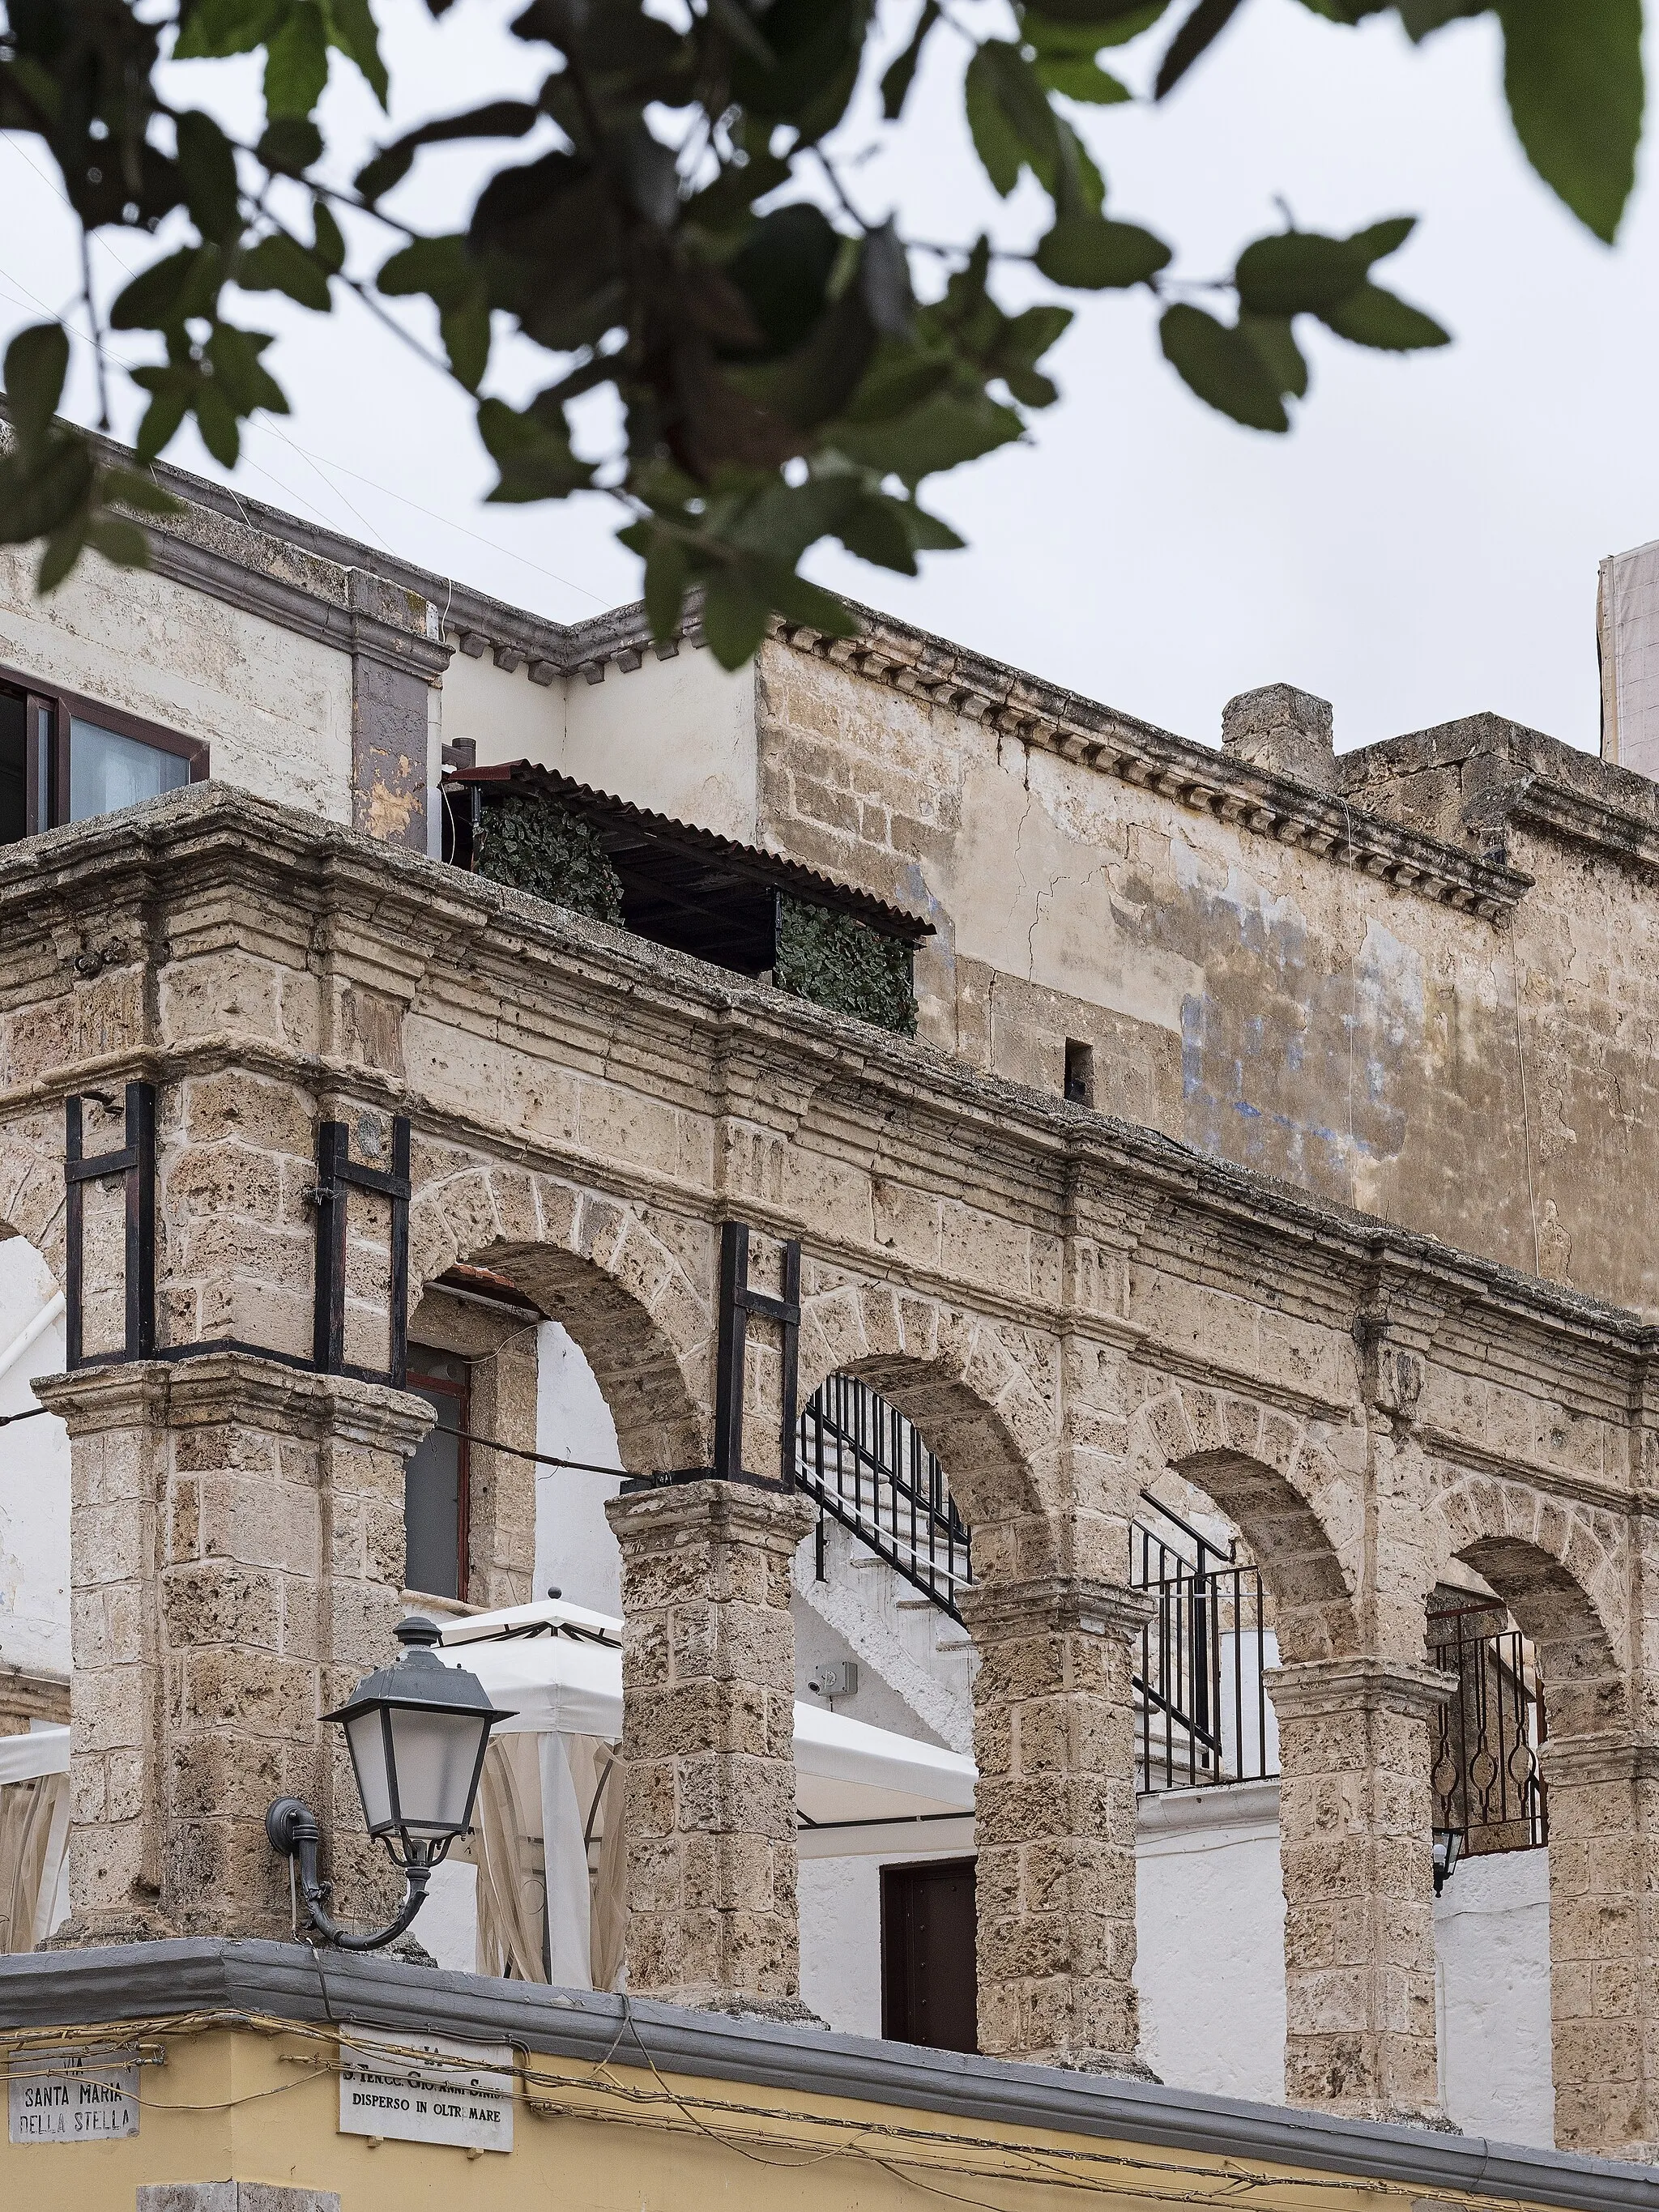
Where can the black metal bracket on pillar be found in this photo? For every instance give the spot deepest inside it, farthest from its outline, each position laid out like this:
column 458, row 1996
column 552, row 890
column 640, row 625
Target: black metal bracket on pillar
column 136, row 1164
column 337, row 1175
column 737, row 1303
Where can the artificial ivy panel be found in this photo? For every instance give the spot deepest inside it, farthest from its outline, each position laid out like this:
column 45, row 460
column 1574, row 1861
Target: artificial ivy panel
column 534, row 844
column 841, row 963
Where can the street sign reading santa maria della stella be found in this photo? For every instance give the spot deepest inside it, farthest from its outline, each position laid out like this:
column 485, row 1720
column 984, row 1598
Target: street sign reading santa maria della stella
column 73, row 2096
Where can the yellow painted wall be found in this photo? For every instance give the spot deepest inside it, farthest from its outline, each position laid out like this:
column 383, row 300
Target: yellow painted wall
column 250, row 2105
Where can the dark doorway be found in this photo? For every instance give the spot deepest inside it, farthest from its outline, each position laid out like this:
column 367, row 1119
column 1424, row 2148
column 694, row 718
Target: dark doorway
column 434, row 1478
column 928, row 1992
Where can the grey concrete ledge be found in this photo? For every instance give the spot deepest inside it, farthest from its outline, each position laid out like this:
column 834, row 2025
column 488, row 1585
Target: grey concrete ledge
column 144, row 1980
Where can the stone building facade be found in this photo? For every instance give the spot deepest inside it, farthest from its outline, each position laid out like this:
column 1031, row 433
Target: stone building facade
column 1335, row 1225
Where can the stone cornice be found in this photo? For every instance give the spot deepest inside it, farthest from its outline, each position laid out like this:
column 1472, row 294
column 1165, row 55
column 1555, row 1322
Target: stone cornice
column 1195, row 776
column 255, row 1984
column 208, row 854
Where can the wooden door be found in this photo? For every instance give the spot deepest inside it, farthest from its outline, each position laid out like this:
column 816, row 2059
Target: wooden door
column 928, row 1988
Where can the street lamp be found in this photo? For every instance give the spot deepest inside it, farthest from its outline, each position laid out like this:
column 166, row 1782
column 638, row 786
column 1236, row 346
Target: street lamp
column 417, row 1732
column 1447, row 1849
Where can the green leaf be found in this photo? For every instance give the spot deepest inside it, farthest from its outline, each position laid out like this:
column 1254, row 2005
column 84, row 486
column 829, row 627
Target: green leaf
column 1379, row 239
column 496, row 118
column 169, row 291
column 1092, row 254
column 533, row 456
column 1275, row 342
column 172, row 392
column 1419, row 17
column 118, row 540
column 38, row 493
column 37, row 362
column 1294, row 271
column 328, row 248
column 1009, row 116
column 290, row 145
column 1573, row 73
column 352, row 29
column 465, row 332
column 1222, row 366
column 1054, row 27
column 941, row 433
column 281, row 264
column 216, row 418
column 238, row 373
column 132, row 488
column 1199, row 31
column 895, row 84
column 63, row 549
column 1075, row 78
column 1372, row 317
column 212, row 29
column 296, row 63
column 734, row 617
column 208, row 165
column 667, row 576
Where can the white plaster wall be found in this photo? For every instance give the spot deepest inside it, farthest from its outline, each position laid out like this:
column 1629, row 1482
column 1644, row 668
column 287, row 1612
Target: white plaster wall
column 1491, row 1939
column 1210, row 1940
column 275, row 709
column 574, row 1548
column 675, row 736
column 34, row 1480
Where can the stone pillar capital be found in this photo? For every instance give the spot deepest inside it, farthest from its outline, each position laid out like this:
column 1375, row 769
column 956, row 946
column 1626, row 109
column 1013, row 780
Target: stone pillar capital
column 1048, row 1605
column 238, row 1386
column 1574, row 1762
column 734, row 1512
column 1318, row 1689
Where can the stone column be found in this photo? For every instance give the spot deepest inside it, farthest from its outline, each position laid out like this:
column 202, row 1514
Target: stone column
column 1356, row 1845
column 709, row 1715
column 1604, row 1945
column 1054, row 1737
column 236, row 1561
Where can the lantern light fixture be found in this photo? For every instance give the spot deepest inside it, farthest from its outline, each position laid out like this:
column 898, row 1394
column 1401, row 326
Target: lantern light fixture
column 1447, row 1849
column 417, row 1732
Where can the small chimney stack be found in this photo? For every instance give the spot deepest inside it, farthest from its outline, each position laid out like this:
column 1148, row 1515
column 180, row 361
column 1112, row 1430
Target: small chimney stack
column 1281, row 729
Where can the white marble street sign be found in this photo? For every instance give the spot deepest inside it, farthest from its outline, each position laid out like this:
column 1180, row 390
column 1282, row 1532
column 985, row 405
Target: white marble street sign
column 75, row 2097
column 448, row 2094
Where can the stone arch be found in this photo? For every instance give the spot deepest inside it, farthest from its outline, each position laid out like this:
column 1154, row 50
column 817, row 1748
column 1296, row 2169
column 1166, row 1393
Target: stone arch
column 32, row 1187
column 602, row 1268
column 1283, row 1489
column 975, row 1401
column 1557, row 1566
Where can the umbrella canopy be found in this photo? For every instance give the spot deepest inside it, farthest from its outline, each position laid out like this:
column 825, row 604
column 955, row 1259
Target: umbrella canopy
column 560, row 1667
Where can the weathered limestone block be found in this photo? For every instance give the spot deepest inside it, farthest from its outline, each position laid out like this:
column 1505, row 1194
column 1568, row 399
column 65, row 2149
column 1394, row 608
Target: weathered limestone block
column 1356, row 1845
column 1053, row 1736
column 708, row 1714
column 1604, row 1945
column 236, row 1559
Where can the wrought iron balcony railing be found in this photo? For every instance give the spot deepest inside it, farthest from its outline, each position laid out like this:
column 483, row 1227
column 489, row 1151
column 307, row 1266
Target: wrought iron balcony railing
column 869, row 1469
column 1203, row 1713
column 1487, row 1782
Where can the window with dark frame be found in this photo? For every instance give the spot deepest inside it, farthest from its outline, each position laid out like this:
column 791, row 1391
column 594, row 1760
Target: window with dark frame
column 435, row 1478
column 1079, row 1071
column 65, row 759
column 929, row 1992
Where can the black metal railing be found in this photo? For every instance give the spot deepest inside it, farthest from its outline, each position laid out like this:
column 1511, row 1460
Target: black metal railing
column 1202, row 1712
column 1487, row 1782
column 869, row 1469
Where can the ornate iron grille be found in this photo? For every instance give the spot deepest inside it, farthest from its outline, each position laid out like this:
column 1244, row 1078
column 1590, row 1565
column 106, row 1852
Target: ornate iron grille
column 869, row 1469
column 1488, row 1782
column 1203, row 1713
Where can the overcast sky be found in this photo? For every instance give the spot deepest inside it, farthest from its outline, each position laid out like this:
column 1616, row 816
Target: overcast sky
column 1423, row 545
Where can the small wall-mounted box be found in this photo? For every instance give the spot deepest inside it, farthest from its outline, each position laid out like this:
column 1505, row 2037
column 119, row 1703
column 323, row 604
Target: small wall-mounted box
column 836, row 1678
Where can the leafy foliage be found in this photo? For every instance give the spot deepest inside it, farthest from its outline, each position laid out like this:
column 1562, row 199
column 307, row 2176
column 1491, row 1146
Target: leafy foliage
column 838, row 962
column 534, row 844
column 679, row 225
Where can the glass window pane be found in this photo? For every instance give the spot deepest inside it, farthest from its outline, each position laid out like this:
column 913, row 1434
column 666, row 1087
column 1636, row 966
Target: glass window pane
column 436, row 1755
column 14, row 776
column 432, row 1500
column 368, row 1740
column 107, row 771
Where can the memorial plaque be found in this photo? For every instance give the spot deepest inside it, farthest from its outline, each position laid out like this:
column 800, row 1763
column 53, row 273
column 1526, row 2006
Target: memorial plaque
column 74, row 2097
column 449, row 2094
